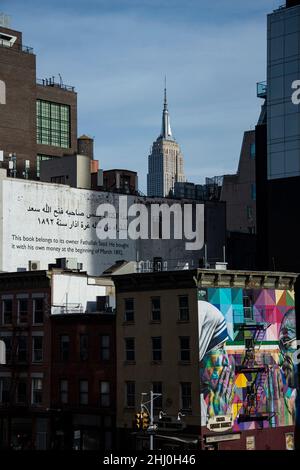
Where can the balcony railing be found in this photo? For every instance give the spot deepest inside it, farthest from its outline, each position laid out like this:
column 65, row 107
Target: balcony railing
column 16, row 47
column 261, row 89
column 66, row 309
column 52, row 83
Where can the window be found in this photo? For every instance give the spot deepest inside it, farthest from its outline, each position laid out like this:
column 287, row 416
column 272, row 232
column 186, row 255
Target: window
column 83, row 392
column 64, row 347
column 84, row 349
column 249, row 213
column 37, row 391
column 38, row 311
column 37, row 348
column 130, row 394
column 157, row 261
column 248, row 307
column 22, row 310
column 104, row 394
column 186, row 396
column 22, row 391
column 7, row 307
column 41, row 158
column 156, row 349
column 53, row 124
column 8, row 347
column 22, row 349
column 130, row 349
column 59, row 179
column 105, row 347
column 253, row 192
column 252, row 150
column 185, row 352
column 183, row 308
column 157, row 388
column 129, row 310
column 4, row 390
column 63, row 391
column 155, row 309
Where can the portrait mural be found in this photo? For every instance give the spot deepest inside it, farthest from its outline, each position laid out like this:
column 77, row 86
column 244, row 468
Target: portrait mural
column 247, row 339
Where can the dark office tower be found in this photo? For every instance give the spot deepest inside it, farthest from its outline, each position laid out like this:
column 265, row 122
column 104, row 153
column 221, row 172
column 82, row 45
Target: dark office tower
column 38, row 118
column 292, row 3
column 278, row 146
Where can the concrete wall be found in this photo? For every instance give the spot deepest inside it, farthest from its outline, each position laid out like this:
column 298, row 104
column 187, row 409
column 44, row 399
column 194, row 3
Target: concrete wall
column 74, row 169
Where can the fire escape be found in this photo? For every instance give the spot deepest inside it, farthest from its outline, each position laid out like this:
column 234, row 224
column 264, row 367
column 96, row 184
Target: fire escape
column 255, row 371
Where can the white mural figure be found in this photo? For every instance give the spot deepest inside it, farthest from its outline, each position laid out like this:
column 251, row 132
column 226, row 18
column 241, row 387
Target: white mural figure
column 2, row 92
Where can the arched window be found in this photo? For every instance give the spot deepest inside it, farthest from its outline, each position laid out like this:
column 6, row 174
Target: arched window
column 2, row 92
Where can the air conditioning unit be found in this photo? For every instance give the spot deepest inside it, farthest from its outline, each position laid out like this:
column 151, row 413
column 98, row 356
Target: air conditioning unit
column 102, row 303
column 34, row 265
column 67, row 263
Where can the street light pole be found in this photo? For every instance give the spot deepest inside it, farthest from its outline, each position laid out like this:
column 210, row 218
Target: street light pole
column 151, row 420
column 153, row 396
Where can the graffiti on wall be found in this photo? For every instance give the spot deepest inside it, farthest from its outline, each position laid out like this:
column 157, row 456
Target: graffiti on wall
column 247, row 339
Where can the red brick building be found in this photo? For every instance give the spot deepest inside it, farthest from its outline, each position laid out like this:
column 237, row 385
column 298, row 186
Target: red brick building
column 57, row 387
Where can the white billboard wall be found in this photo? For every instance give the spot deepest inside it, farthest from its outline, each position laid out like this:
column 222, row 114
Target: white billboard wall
column 43, row 221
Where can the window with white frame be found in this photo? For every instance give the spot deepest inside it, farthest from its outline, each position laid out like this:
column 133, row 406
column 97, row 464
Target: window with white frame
column 38, row 311
column 64, row 391
column 105, row 347
column 83, row 392
column 104, row 394
column 22, row 310
column 37, row 391
column 7, row 309
column 37, row 348
column 5, row 389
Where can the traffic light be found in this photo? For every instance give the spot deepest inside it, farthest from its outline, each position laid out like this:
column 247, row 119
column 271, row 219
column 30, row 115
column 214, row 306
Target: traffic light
column 145, row 420
column 138, row 420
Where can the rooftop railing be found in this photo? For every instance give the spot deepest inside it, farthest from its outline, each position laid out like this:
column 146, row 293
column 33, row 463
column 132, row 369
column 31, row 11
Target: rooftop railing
column 16, row 47
column 52, row 83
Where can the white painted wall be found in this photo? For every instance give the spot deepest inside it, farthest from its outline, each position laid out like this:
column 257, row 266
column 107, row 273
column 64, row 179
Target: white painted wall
column 44, row 221
column 76, row 292
column 36, row 223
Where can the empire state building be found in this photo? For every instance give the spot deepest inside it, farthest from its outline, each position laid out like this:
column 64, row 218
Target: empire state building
column 165, row 163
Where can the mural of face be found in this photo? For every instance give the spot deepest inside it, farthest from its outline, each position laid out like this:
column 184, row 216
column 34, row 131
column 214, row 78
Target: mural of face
column 288, row 346
column 218, row 382
column 225, row 383
column 217, row 379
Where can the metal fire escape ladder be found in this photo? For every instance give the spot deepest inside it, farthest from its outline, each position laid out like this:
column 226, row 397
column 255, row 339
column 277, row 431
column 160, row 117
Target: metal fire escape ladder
column 255, row 388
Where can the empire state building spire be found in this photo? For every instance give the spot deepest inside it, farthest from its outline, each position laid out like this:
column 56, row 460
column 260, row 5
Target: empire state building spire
column 165, row 162
column 166, row 132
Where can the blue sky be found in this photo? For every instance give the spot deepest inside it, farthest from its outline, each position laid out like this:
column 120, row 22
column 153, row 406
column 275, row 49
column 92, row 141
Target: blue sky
column 116, row 53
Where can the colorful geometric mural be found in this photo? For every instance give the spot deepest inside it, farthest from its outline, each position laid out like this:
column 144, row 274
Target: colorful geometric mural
column 247, row 339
